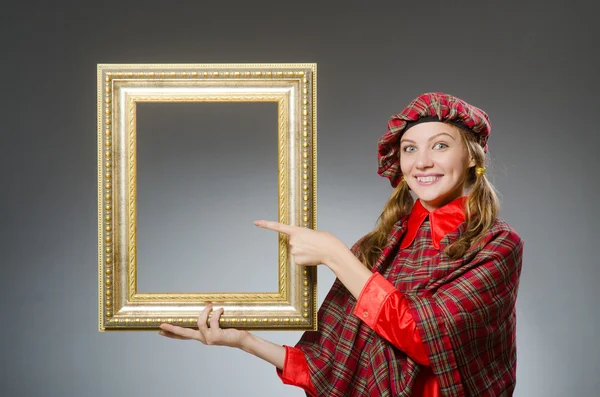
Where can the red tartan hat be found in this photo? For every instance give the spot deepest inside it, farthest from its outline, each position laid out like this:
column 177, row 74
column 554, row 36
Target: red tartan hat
column 431, row 106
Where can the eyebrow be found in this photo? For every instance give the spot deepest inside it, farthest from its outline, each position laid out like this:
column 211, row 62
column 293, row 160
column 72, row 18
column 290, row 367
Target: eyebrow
column 433, row 137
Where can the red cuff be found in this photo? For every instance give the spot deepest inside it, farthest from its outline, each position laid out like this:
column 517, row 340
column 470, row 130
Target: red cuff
column 383, row 308
column 295, row 370
column 372, row 299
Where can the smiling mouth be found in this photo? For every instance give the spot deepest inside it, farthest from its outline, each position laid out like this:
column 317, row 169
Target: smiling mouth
column 428, row 179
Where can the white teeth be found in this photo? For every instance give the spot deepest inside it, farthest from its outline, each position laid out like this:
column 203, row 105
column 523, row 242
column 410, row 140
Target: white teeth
column 426, row 179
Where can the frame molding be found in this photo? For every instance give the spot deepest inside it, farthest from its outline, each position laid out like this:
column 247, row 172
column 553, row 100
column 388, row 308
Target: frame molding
column 120, row 88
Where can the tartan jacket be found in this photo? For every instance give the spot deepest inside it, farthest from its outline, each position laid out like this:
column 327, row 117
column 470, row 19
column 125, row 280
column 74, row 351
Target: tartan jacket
column 464, row 311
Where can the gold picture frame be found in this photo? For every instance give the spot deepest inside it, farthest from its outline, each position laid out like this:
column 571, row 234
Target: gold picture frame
column 120, row 88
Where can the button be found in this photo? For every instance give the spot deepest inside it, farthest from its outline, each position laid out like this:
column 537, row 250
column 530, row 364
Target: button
column 366, row 314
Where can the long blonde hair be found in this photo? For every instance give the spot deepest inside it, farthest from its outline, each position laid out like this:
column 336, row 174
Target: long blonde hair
column 481, row 210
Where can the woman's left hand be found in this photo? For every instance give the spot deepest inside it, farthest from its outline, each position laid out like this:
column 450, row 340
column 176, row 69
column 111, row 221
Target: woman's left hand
column 309, row 247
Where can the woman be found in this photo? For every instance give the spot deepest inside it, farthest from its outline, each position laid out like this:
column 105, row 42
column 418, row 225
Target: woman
column 424, row 305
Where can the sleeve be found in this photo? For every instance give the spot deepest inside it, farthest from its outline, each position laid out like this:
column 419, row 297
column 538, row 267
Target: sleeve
column 295, row 371
column 468, row 323
column 383, row 308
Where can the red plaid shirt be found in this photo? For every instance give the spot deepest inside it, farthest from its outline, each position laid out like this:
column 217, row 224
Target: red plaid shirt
column 416, row 367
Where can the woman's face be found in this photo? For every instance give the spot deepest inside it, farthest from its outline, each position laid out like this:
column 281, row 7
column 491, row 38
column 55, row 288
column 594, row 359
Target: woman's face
column 434, row 161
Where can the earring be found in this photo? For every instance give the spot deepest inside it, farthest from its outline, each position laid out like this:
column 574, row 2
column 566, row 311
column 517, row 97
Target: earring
column 480, row 171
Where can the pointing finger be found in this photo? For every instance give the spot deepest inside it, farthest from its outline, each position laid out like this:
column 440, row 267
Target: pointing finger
column 276, row 226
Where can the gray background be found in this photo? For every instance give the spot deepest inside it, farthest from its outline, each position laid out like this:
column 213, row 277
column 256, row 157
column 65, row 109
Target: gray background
column 206, row 171
column 531, row 65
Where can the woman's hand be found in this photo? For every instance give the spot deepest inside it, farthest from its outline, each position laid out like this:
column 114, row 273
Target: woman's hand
column 309, row 247
column 215, row 335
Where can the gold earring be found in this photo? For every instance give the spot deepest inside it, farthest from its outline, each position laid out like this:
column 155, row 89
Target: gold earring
column 480, row 171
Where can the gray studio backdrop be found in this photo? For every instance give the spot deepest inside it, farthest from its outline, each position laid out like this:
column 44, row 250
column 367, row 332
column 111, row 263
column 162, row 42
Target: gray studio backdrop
column 531, row 65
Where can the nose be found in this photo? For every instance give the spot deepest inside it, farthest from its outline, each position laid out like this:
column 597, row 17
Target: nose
column 424, row 159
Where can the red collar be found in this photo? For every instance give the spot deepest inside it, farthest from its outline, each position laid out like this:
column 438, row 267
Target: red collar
column 442, row 221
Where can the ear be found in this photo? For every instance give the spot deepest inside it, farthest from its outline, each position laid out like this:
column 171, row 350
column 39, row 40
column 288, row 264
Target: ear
column 472, row 163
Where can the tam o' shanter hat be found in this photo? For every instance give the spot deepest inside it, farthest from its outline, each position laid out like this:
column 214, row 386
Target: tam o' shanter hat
column 432, row 106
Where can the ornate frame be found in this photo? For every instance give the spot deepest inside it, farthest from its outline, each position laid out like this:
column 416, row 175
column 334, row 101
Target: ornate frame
column 120, row 87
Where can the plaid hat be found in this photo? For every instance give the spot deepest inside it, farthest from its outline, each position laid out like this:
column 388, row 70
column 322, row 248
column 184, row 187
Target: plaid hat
column 431, row 106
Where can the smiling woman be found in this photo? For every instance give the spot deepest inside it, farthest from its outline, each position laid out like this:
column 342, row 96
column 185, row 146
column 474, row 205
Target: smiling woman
column 434, row 161
column 423, row 305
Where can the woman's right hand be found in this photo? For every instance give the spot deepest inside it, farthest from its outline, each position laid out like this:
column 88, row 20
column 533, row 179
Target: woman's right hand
column 213, row 335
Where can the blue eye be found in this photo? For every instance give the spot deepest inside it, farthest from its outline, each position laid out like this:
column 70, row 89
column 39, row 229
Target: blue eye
column 440, row 145
column 409, row 149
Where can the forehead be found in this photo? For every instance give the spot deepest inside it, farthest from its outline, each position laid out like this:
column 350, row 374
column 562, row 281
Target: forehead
column 424, row 131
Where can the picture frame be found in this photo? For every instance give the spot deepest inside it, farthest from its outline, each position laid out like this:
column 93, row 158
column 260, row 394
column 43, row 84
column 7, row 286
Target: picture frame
column 121, row 87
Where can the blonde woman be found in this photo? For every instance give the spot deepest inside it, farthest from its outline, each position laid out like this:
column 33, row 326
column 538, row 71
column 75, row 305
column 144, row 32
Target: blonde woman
column 423, row 305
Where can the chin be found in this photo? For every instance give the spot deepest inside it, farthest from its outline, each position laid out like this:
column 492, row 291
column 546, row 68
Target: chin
column 432, row 196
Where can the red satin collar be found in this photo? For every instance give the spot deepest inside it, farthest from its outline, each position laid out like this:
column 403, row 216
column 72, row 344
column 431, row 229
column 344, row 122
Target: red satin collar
column 442, row 221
